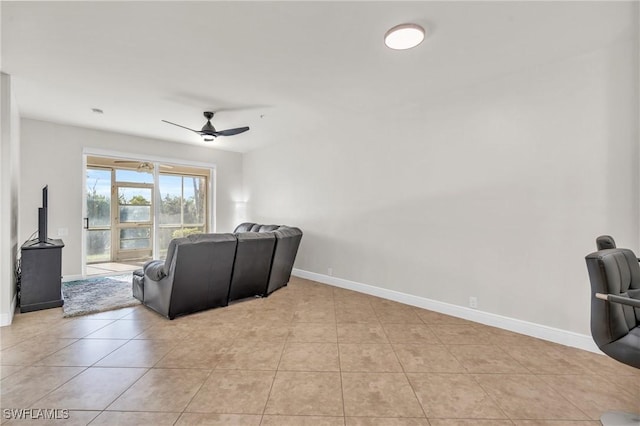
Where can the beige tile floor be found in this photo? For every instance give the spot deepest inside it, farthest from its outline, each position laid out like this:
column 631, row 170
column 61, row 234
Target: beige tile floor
column 309, row 354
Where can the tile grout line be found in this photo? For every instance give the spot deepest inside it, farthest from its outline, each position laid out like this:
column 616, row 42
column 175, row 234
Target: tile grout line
column 62, row 384
column 488, row 395
column 194, row 395
column 124, row 391
column 406, row 377
column 344, row 410
column 538, row 376
column 275, row 374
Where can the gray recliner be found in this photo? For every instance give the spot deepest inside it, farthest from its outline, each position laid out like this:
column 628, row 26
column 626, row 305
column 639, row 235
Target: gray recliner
column 195, row 275
column 614, row 274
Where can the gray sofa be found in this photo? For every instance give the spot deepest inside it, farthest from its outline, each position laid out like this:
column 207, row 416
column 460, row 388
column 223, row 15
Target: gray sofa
column 206, row 271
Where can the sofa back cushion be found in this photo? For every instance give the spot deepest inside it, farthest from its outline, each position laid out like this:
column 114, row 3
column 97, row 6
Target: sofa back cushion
column 256, row 227
column 287, row 243
column 244, row 227
column 171, row 253
column 252, row 264
column 201, row 272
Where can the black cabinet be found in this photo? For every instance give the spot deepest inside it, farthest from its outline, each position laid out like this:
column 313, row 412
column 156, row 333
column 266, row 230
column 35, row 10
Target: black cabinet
column 39, row 285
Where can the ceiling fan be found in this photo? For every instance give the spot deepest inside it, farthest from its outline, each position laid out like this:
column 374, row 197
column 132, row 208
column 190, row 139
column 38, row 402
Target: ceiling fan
column 142, row 165
column 208, row 132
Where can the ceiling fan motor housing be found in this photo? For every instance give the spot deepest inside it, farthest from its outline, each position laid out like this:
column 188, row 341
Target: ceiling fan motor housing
column 208, row 127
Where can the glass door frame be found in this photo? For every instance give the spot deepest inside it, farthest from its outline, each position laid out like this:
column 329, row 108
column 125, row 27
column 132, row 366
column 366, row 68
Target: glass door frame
column 117, row 225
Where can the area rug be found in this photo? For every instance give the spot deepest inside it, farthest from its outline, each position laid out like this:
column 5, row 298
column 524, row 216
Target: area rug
column 99, row 294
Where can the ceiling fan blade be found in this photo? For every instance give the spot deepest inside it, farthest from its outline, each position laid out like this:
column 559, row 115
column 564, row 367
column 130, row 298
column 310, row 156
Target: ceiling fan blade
column 231, row 132
column 126, row 162
column 195, row 131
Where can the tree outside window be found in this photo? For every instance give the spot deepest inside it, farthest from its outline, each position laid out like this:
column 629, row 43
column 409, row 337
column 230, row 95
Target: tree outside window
column 182, row 207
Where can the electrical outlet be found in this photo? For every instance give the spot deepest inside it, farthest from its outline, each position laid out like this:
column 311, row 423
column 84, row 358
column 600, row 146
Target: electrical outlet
column 330, row 272
column 473, row 302
column 63, row 232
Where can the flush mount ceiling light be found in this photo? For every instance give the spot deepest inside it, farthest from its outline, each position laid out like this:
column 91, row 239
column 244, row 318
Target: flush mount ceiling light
column 404, row 36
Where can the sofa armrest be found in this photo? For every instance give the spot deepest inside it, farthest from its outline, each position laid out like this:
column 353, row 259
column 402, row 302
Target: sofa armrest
column 619, row 299
column 155, row 270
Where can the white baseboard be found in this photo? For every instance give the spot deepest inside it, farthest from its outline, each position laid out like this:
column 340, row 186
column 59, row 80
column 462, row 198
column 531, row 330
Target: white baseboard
column 68, row 278
column 7, row 318
column 551, row 334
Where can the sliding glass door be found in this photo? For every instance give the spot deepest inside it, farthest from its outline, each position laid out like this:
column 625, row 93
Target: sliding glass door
column 98, row 219
column 135, row 208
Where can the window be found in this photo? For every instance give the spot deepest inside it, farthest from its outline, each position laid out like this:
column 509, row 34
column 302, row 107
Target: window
column 134, row 176
column 134, row 204
column 183, row 207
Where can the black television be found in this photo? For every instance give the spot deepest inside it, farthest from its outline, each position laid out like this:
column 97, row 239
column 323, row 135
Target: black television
column 42, row 216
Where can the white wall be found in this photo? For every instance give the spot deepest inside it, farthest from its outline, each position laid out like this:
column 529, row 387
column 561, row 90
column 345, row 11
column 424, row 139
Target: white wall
column 9, row 196
column 496, row 191
column 52, row 155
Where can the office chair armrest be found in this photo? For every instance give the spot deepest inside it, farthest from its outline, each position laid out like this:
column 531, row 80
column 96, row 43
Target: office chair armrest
column 619, row 299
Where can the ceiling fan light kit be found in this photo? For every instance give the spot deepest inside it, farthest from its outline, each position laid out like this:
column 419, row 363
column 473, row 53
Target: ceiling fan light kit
column 404, row 36
column 208, row 132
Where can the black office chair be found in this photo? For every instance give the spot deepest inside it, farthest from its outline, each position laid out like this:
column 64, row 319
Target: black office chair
column 615, row 312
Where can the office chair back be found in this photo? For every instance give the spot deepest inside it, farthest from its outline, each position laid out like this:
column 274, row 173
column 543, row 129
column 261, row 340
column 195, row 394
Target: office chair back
column 615, row 327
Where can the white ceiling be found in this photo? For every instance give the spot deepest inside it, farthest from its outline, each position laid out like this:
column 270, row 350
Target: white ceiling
column 282, row 68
